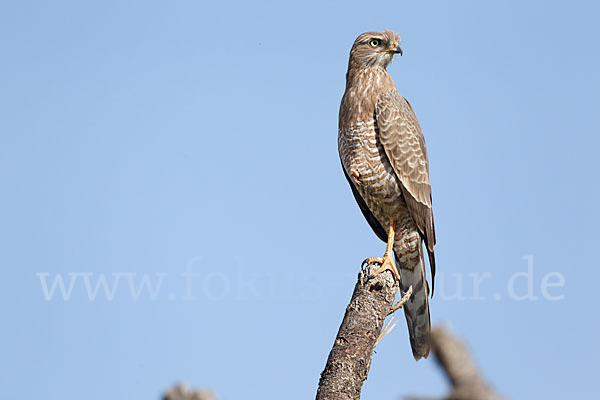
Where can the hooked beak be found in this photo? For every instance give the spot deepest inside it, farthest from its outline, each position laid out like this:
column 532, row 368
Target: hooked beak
column 395, row 50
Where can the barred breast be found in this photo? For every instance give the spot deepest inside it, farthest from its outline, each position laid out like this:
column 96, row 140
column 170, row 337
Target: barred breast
column 365, row 162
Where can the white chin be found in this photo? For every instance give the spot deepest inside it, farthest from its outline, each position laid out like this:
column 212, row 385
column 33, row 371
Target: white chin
column 386, row 59
column 381, row 60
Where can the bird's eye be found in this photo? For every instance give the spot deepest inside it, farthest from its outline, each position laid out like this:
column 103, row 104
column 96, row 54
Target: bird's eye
column 374, row 42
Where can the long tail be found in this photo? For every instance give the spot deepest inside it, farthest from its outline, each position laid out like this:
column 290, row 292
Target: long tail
column 416, row 309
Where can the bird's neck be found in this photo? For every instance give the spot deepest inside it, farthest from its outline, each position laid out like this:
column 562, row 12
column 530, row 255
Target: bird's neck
column 364, row 75
column 363, row 88
column 371, row 81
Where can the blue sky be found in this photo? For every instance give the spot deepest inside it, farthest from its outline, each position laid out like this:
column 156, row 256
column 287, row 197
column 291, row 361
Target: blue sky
column 145, row 141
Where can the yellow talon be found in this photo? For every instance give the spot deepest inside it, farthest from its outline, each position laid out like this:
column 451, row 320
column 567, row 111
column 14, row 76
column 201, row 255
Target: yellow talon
column 386, row 261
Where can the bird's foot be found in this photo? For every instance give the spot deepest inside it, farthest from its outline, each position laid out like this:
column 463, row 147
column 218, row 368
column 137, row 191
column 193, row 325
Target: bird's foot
column 386, row 264
column 386, row 261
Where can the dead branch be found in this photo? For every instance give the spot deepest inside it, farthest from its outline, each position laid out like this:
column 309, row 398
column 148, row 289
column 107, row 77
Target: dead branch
column 456, row 361
column 350, row 358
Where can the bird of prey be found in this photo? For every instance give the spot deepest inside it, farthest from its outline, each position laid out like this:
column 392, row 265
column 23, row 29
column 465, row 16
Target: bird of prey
column 384, row 158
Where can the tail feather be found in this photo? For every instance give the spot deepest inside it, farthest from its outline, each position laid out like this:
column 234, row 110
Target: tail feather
column 416, row 309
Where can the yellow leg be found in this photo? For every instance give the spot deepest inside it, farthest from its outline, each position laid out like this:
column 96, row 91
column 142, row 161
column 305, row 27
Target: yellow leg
column 386, row 261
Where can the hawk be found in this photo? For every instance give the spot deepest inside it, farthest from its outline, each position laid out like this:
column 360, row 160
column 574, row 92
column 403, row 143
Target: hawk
column 384, row 159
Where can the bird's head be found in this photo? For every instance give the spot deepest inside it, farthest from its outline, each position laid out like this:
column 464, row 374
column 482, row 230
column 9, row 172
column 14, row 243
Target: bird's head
column 375, row 49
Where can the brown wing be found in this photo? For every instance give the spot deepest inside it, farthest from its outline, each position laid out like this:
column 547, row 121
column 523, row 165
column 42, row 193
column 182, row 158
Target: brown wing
column 400, row 134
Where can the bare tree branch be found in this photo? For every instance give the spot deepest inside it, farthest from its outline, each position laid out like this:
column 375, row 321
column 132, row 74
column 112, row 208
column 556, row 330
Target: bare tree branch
column 456, row 361
column 404, row 299
column 350, row 358
column 361, row 329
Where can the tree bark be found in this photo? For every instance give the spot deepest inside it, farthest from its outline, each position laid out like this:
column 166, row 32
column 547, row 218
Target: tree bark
column 350, row 358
